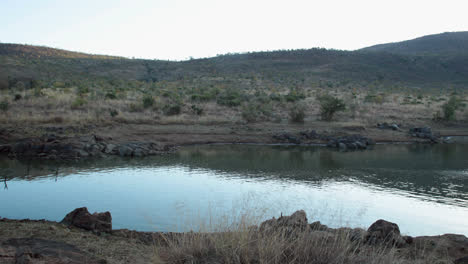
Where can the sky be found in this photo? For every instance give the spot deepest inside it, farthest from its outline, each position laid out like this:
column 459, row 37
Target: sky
column 180, row 29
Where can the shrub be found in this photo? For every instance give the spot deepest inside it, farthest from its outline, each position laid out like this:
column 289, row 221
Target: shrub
column 372, row 98
column 148, row 101
column 172, row 109
column 297, row 113
column 111, row 95
column 294, row 96
column 135, row 108
column 197, row 110
column 450, row 107
column 257, row 111
column 113, row 112
column 4, row 105
column 82, row 90
column 329, row 105
column 79, row 102
column 229, row 98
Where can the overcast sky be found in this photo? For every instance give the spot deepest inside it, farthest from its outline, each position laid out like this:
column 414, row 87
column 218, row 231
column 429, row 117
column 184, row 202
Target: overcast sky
column 178, row 29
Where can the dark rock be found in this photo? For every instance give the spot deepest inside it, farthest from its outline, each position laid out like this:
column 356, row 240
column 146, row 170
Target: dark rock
column 357, row 235
column 21, row 147
column 408, row 239
column 351, row 142
column 110, row 148
column 342, row 146
column 39, row 251
column 125, row 151
column 463, row 260
column 384, row 232
column 309, row 134
column 317, row 226
column 385, row 125
column 287, row 137
column 424, row 133
column 5, row 148
column 360, row 145
column 289, row 225
column 81, row 218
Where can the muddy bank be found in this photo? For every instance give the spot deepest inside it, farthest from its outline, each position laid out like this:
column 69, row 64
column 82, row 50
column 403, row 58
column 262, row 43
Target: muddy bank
column 82, row 236
column 56, row 142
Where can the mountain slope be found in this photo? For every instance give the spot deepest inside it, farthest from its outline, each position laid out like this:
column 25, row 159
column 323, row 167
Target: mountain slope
column 415, row 63
column 449, row 43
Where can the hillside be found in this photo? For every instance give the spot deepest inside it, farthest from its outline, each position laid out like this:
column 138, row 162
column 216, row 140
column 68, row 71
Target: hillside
column 312, row 67
column 444, row 44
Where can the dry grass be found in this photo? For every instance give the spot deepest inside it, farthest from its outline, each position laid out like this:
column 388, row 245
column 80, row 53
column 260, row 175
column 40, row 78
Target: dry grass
column 56, row 106
column 248, row 245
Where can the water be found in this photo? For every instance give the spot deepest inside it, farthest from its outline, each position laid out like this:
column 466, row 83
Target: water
column 423, row 188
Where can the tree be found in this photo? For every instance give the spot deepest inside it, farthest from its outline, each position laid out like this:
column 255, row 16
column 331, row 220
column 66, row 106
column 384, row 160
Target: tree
column 329, row 105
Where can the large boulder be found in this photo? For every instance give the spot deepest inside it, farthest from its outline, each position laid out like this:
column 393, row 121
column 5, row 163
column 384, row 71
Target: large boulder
column 81, row 218
column 293, row 224
column 384, row 232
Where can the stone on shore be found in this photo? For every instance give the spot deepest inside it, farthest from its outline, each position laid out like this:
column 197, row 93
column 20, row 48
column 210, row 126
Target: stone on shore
column 81, row 218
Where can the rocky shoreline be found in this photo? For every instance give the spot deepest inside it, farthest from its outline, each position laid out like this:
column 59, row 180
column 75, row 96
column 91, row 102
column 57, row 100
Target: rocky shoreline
column 59, row 146
column 36, row 249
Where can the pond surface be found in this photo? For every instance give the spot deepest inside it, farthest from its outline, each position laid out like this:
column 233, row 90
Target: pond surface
column 422, row 188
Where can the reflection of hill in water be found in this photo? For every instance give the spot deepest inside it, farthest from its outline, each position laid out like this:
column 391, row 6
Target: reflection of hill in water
column 434, row 172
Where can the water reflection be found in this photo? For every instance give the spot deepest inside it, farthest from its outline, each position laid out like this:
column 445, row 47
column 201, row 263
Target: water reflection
column 404, row 181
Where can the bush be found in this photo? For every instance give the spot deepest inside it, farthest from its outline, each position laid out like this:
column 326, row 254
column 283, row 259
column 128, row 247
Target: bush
column 172, row 109
column 294, row 96
column 148, row 101
column 257, row 111
column 82, row 90
column 376, row 99
column 111, row 95
column 197, row 110
column 79, row 102
column 450, row 107
column 297, row 113
column 229, row 98
column 4, row 105
column 135, row 108
column 329, row 105
column 113, row 112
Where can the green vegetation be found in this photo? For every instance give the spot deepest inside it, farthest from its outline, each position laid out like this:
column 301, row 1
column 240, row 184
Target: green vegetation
column 78, row 103
column 297, row 113
column 4, row 105
column 148, row 101
column 450, row 107
column 251, row 87
column 329, row 105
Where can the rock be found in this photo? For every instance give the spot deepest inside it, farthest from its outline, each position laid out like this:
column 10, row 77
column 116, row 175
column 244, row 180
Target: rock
column 81, row 153
column 109, row 149
column 424, row 133
column 360, row 145
column 125, row 151
column 388, row 126
column 317, row 226
column 357, row 235
column 81, row 218
column 342, row 146
column 463, row 260
column 288, row 225
column 287, row 137
column 309, row 134
column 384, row 232
column 40, row 251
column 351, row 142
